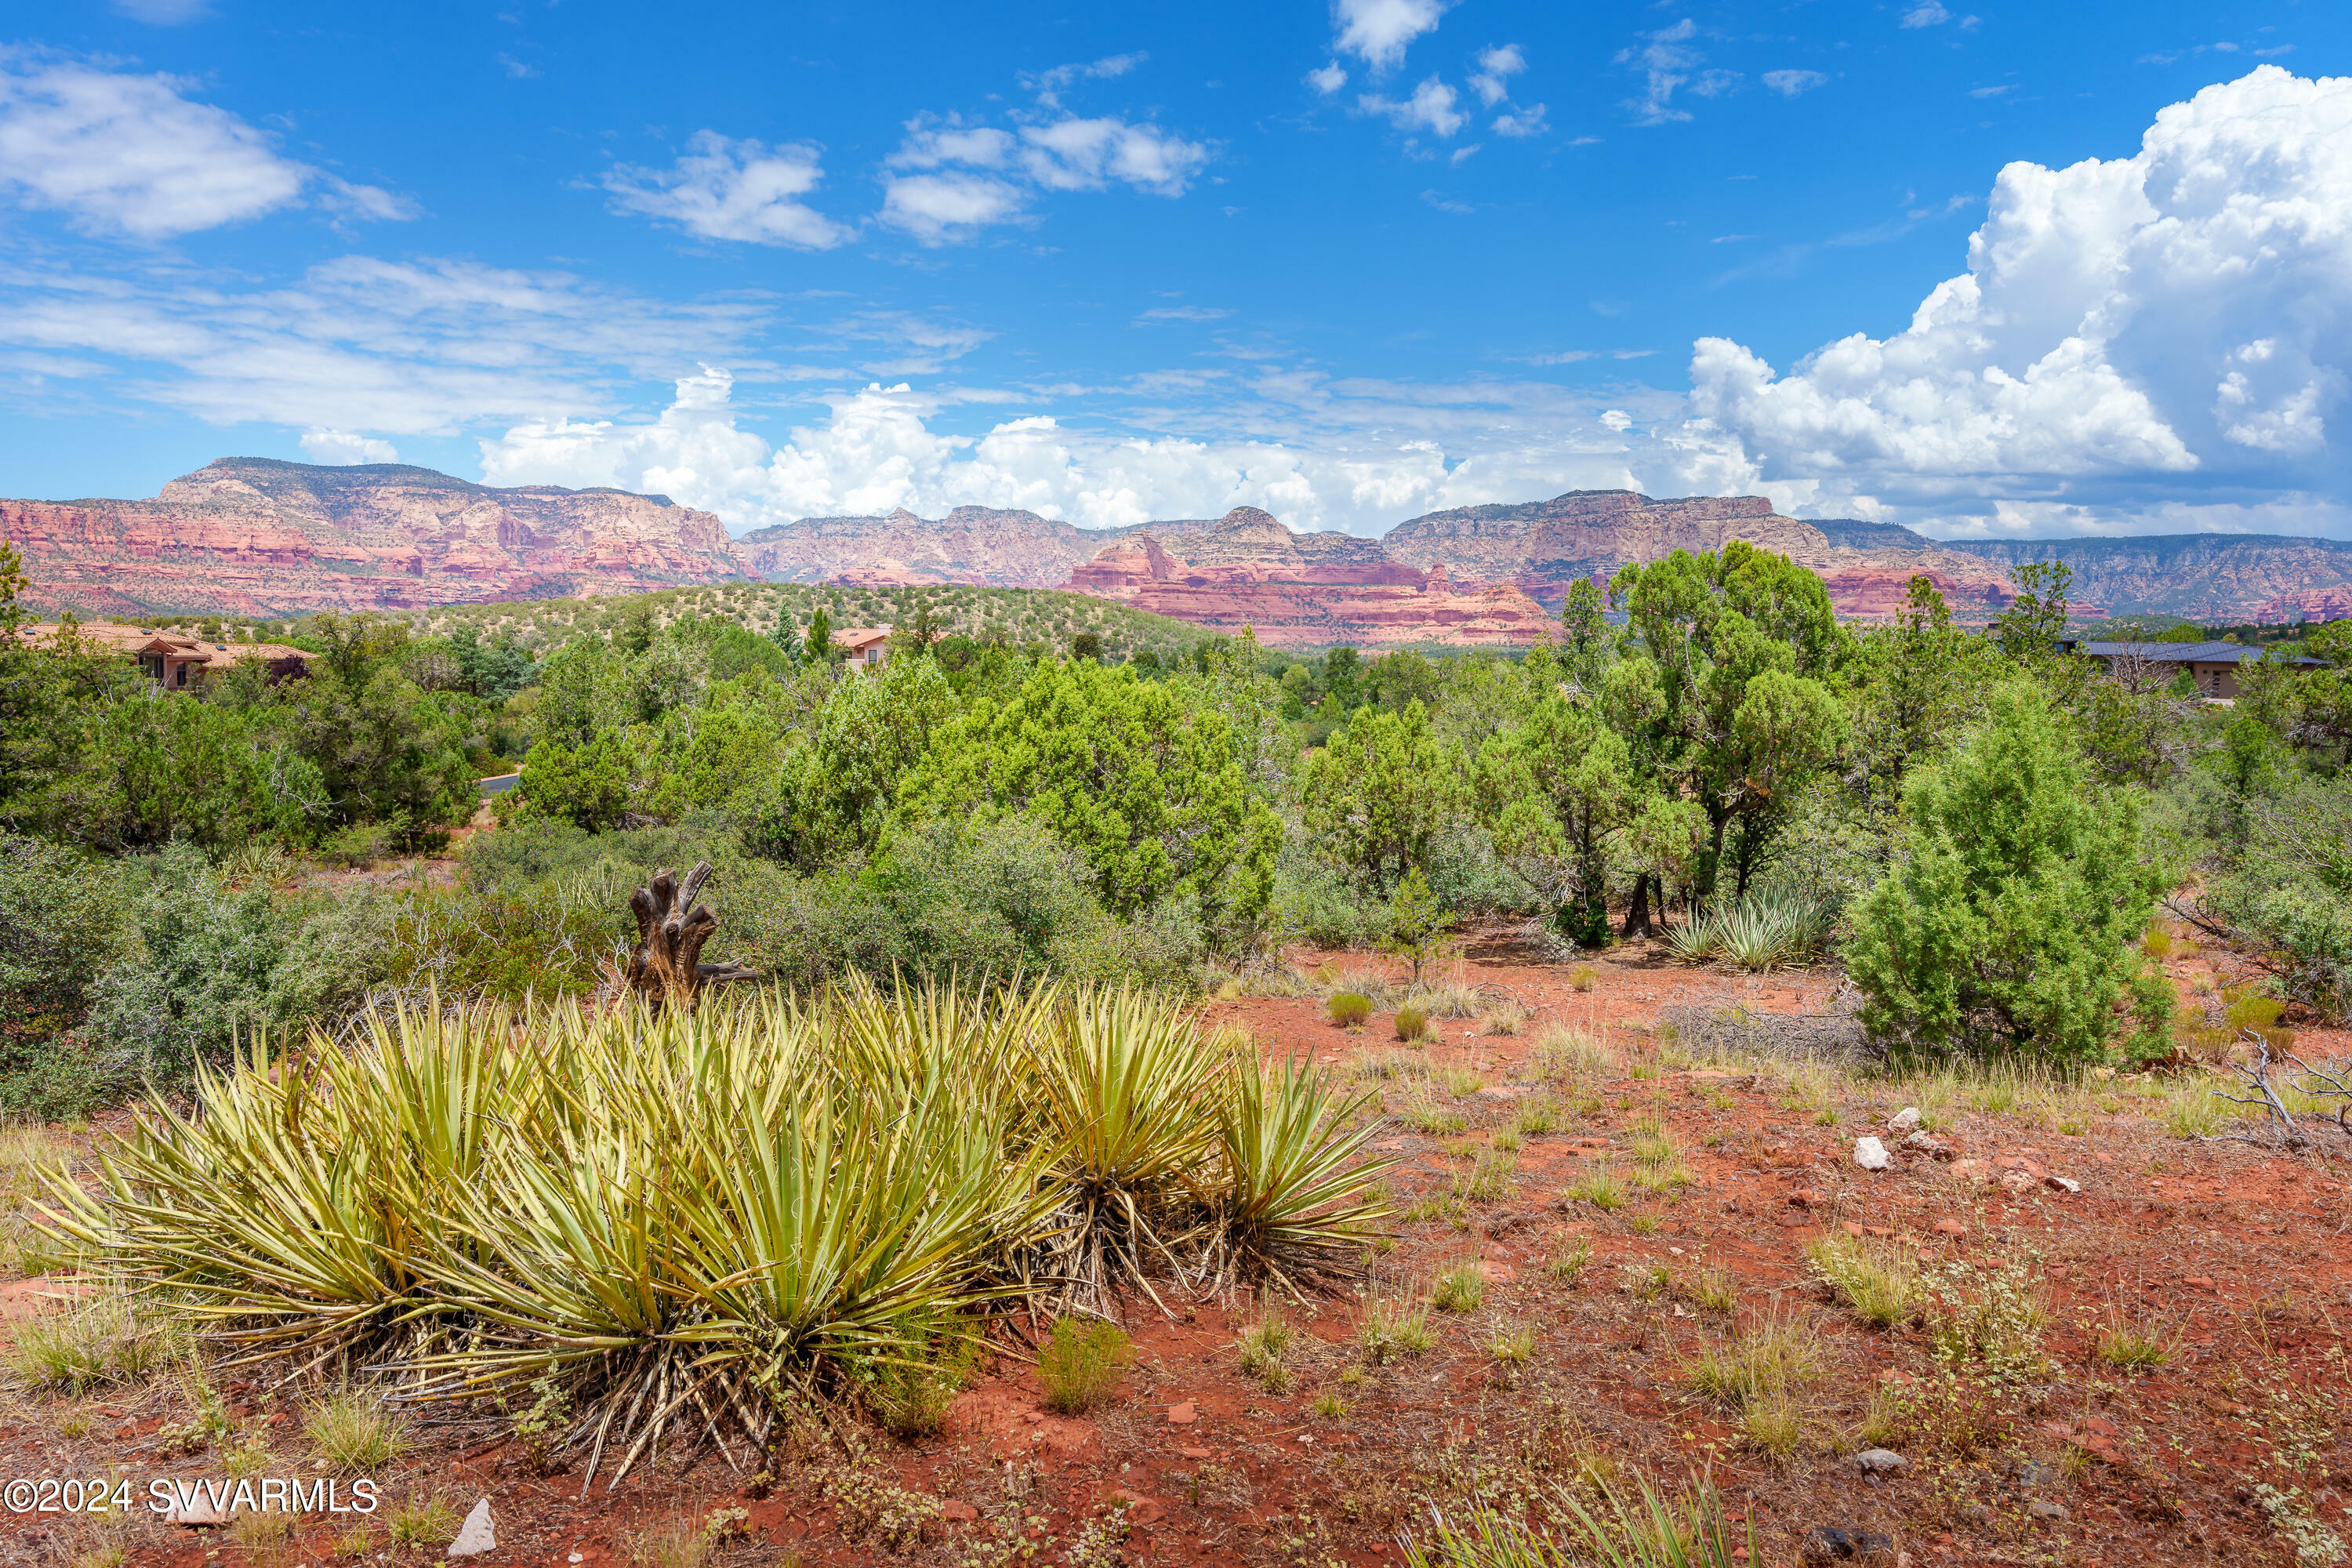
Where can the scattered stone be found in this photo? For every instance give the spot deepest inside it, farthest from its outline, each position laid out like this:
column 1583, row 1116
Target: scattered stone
column 2017, row 1182
column 1947, row 1225
column 1871, row 1154
column 2062, row 1184
column 1828, row 1543
column 1903, row 1121
column 1878, row 1461
column 197, row 1513
column 2200, row 1281
column 1971, row 1170
column 1807, row 1198
column 2049, row 1511
column 478, row 1534
column 1184, row 1414
column 1192, row 1453
column 1928, row 1143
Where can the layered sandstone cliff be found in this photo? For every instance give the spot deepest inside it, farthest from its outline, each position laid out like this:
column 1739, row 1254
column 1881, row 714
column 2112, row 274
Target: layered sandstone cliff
column 254, row 537
column 1541, row 547
column 1305, row 589
column 2218, row 579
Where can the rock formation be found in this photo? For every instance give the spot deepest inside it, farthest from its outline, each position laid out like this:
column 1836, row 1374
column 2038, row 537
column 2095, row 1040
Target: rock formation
column 251, row 536
column 1541, row 547
column 1305, row 589
column 2218, row 579
column 254, row 537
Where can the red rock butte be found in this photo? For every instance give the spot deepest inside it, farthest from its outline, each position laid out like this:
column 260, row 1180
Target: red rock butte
column 256, row 537
column 253, row 537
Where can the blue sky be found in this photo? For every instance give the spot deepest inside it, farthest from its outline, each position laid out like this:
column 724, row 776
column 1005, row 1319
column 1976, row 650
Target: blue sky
column 1349, row 263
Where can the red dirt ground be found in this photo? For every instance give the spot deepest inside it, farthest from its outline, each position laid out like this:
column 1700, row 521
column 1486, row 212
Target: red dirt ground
column 2235, row 1258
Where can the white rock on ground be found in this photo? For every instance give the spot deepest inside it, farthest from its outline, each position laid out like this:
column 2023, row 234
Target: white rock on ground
column 1871, row 1154
column 478, row 1535
column 1879, row 1459
column 1904, row 1119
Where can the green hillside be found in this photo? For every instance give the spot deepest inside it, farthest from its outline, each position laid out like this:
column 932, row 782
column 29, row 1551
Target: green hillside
column 1018, row 615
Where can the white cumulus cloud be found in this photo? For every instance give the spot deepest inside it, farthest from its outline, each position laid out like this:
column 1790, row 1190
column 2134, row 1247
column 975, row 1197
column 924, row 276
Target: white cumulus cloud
column 950, row 178
column 1495, row 67
column 127, row 153
column 2133, row 333
column 1327, row 79
column 341, row 448
column 1433, row 108
column 1378, row 31
column 1792, row 84
column 1341, row 459
column 724, row 189
column 1667, row 61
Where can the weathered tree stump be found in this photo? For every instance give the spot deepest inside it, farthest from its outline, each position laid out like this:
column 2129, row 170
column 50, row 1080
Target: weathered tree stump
column 666, row 967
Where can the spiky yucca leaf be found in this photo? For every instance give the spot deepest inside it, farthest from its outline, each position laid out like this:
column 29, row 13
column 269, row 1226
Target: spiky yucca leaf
column 1121, row 1097
column 1656, row 1533
column 1298, row 1195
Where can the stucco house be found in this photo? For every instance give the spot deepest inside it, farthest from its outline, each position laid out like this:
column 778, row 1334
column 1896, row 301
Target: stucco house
column 2213, row 665
column 178, row 660
column 866, row 647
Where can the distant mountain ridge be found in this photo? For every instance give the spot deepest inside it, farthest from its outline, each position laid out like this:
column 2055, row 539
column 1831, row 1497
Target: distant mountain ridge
column 254, row 536
column 262, row 537
column 2217, row 579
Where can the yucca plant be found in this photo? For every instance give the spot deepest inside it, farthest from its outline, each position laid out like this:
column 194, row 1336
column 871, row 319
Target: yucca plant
column 1299, row 1198
column 682, row 1223
column 1122, row 1099
column 1656, row 1533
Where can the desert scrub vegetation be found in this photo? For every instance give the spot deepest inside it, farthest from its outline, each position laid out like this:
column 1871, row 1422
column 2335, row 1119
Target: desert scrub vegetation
column 854, row 1181
column 1877, row 1282
column 1080, row 1363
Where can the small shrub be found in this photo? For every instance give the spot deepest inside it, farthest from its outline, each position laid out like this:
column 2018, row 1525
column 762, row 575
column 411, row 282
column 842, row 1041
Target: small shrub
column 1583, row 976
column 113, row 1338
column 2130, row 1346
column 351, row 1430
column 1598, row 1188
column 1428, row 1118
column 1460, row 1289
column 1349, row 1009
column 1392, row 1326
column 542, row 1428
column 1411, row 1024
column 1713, row 1290
column 1568, row 1263
column 1770, row 1356
column 1993, row 1317
column 2156, row 943
column 1537, row 1115
column 676, row 1543
column 1772, row 1426
column 1329, row 1406
column 912, row 1401
column 1461, row 1082
column 423, row 1522
column 1081, row 1364
column 1486, row 1178
column 1643, row 1281
column 1878, row 1283
column 1514, row 1346
column 1263, row 1343
column 1563, row 1053
column 1507, row 1019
